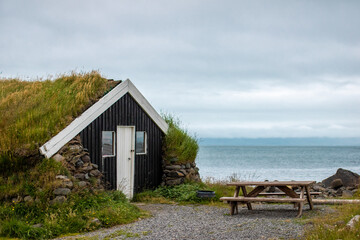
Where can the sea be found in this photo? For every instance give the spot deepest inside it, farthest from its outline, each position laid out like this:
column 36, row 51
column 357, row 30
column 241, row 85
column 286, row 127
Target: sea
column 259, row 163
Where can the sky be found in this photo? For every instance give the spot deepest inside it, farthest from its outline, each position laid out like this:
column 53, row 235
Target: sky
column 226, row 68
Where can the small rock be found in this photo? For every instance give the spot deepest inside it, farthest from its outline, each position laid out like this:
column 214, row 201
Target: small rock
column 173, row 160
column 347, row 193
column 180, row 174
column 188, row 165
column 58, row 158
column 336, row 183
column 95, row 166
column 75, row 147
column 62, row 191
column 85, row 158
column 61, row 177
column 87, row 176
column 39, row 225
column 82, row 184
column 172, row 174
column 173, row 167
column 193, row 165
column 58, row 199
column 182, row 166
column 79, row 176
column 67, row 184
column 28, row 199
column 96, row 221
column 95, row 173
column 353, row 221
column 79, row 163
column 183, row 171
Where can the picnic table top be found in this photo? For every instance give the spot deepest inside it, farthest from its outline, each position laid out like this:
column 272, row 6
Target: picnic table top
column 273, row 183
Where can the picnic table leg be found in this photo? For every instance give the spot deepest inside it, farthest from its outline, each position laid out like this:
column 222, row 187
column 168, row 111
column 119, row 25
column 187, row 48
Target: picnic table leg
column 243, row 188
column 301, row 204
column 234, row 205
column 309, row 197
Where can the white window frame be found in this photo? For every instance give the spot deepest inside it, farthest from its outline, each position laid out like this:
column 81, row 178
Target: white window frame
column 145, row 143
column 114, row 144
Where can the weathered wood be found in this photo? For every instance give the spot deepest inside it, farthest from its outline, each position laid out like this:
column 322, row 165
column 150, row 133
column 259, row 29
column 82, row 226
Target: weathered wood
column 336, row 201
column 283, row 194
column 243, row 188
column 288, row 191
column 234, row 207
column 301, row 204
column 308, row 196
column 274, row 183
column 259, row 199
column 256, row 191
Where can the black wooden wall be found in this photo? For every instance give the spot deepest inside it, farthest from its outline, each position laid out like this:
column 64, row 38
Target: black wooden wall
column 126, row 112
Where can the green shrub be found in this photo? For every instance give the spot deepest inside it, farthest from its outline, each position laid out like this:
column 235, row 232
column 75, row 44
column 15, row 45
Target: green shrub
column 73, row 216
column 178, row 145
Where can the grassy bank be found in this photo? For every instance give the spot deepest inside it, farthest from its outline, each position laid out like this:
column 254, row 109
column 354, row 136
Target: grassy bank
column 332, row 226
column 179, row 146
column 38, row 219
column 77, row 214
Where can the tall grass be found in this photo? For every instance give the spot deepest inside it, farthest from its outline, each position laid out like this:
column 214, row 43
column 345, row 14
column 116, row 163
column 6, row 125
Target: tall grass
column 179, row 146
column 33, row 112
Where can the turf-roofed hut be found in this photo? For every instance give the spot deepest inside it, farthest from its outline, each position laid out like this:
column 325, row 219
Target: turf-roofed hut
column 99, row 128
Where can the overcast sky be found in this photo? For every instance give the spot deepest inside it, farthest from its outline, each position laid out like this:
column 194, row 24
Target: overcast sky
column 226, row 68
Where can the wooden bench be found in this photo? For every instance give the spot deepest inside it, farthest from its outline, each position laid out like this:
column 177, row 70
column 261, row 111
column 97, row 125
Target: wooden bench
column 298, row 198
column 259, row 199
column 283, row 194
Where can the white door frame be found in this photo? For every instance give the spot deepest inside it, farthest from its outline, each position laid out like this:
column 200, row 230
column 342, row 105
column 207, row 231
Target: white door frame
column 123, row 156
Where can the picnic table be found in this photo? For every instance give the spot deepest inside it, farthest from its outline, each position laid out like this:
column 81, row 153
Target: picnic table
column 298, row 198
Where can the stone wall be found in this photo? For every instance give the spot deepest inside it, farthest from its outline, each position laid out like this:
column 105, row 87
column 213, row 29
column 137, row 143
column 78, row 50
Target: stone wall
column 175, row 174
column 84, row 174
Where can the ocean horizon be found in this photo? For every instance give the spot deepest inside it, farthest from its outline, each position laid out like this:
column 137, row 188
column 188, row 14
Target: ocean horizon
column 259, row 163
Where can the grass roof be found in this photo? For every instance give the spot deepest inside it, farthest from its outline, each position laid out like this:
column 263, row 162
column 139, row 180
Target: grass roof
column 34, row 111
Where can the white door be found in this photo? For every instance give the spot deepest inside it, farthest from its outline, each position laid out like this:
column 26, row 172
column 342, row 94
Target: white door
column 125, row 159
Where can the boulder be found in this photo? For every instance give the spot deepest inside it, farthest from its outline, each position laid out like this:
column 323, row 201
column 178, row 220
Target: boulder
column 337, row 183
column 353, row 221
column 349, row 179
column 62, row 191
column 347, row 193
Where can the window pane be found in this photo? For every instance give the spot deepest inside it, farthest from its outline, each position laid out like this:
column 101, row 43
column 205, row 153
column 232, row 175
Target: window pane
column 107, row 143
column 140, row 142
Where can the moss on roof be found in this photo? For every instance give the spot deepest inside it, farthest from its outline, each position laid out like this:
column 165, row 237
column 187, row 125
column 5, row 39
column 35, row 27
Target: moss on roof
column 34, row 111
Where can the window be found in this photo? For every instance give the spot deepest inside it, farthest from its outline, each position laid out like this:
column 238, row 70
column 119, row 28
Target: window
column 140, row 144
column 108, row 144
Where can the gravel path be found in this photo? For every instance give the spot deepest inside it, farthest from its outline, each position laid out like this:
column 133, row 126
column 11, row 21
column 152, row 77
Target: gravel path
column 266, row 221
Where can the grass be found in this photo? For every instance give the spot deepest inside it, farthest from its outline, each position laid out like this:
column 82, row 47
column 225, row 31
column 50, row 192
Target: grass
column 332, row 225
column 186, row 193
column 179, row 146
column 73, row 216
column 34, row 111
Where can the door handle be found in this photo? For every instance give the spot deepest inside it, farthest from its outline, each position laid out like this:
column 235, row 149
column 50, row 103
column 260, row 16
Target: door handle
column 132, row 150
column 129, row 159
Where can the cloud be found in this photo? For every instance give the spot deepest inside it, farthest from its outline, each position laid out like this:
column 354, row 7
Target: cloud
column 289, row 68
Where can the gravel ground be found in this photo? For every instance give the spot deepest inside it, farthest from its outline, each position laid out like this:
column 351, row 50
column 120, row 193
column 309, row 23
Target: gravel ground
column 266, row 221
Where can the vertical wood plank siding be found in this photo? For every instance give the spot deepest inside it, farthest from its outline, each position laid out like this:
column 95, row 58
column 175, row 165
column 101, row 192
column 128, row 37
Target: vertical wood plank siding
column 126, row 112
